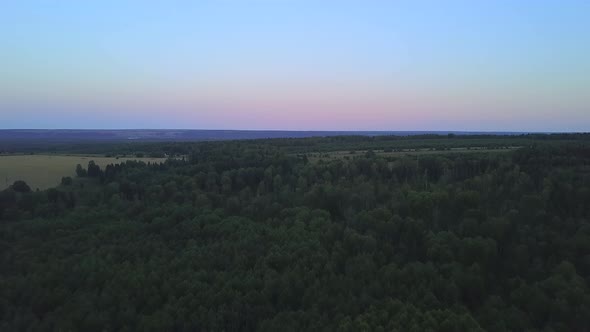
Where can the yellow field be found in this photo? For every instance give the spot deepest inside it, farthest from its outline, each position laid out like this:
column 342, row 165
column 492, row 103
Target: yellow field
column 46, row 171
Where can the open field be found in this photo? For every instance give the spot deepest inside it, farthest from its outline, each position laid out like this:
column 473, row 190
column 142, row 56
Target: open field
column 45, row 171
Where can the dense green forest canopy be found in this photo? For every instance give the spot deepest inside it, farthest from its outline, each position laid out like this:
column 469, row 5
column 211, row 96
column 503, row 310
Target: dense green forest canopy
column 254, row 235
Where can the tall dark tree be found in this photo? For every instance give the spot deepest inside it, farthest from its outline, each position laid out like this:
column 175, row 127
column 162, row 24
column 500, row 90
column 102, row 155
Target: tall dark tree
column 20, row 187
column 80, row 171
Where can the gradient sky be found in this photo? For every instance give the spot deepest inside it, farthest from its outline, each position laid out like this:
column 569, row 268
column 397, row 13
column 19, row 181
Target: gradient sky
column 298, row 65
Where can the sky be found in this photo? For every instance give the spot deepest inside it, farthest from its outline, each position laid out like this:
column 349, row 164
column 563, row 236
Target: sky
column 295, row 65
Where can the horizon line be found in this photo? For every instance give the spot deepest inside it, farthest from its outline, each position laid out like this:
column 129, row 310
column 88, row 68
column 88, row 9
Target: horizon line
column 301, row 130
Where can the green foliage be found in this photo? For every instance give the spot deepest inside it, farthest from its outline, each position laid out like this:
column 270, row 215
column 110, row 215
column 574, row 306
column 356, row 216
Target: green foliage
column 20, row 187
column 66, row 181
column 80, row 171
column 244, row 236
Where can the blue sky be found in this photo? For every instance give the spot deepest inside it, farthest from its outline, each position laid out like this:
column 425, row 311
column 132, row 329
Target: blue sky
column 280, row 64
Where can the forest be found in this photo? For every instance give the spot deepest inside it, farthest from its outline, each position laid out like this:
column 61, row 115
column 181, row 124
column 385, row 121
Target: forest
column 255, row 235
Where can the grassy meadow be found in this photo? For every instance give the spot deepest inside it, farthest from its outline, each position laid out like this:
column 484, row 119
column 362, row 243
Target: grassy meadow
column 46, row 171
